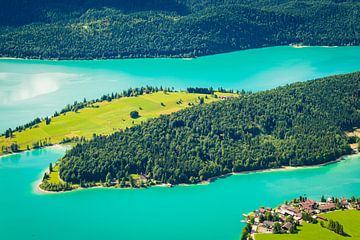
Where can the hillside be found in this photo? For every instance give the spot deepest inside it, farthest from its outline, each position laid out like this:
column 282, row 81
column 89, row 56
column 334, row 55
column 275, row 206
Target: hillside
column 299, row 124
column 88, row 29
column 101, row 118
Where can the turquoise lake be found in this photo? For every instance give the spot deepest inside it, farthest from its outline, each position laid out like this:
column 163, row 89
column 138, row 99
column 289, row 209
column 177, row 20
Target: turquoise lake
column 33, row 88
column 210, row 212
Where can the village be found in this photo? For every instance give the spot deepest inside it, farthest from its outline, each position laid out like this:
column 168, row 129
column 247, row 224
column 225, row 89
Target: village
column 286, row 217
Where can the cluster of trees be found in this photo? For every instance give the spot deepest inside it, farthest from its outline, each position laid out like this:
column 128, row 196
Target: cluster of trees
column 51, row 186
column 56, row 187
column 175, row 28
column 41, row 143
column 308, row 218
column 299, row 124
column 277, row 228
column 13, row 148
column 246, row 232
column 73, row 139
column 200, row 90
column 334, row 226
column 9, row 132
column 210, row 90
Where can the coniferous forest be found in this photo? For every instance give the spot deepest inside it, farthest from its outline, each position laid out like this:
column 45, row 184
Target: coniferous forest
column 295, row 125
column 78, row 29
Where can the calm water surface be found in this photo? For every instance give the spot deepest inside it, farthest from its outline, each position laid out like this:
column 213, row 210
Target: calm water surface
column 209, row 212
column 32, row 88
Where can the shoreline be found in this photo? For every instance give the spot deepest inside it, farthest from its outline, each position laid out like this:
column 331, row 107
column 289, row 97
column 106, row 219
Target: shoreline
column 181, row 57
column 55, row 146
column 308, row 46
column 206, row 182
column 284, row 168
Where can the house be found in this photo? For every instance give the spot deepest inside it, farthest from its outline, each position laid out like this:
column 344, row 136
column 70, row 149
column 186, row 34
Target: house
column 298, row 217
column 308, row 206
column 344, row 202
column 289, row 210
column 225, row 97
column 327, row 207
column 286, row 226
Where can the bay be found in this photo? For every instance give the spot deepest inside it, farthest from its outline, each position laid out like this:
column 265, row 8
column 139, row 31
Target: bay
column 209, row 212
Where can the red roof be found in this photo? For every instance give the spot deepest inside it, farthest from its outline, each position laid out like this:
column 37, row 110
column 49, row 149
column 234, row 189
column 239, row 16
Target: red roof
column 328, row 206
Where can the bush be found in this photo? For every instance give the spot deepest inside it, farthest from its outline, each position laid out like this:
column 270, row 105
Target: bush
column 134, row 114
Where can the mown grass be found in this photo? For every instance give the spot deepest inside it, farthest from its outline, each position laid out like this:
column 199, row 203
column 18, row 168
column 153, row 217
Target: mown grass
column 106, row 118
column 350, row 219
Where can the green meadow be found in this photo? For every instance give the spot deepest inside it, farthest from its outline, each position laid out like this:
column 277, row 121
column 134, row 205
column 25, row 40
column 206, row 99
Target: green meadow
column 54, row 175
column 350, row 219
column 105, row 118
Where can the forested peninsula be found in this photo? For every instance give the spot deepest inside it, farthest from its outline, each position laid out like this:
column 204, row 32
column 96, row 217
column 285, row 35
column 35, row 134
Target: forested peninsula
column 295, row 125
column 77, row 29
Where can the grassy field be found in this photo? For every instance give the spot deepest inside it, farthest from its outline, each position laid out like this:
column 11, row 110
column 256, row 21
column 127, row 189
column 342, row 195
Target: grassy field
column 54, row 175
column 350, row 219
column 107, row 118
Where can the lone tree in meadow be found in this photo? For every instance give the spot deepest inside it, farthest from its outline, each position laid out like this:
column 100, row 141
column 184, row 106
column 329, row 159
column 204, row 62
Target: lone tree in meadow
column 134, row 114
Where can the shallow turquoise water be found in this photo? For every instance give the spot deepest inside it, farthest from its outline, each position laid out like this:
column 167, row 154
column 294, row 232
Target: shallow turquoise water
column 209, row 212
column 32, row 88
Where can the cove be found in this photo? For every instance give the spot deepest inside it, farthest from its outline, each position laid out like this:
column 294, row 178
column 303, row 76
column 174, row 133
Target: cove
column 38, row 88
column 209, row 212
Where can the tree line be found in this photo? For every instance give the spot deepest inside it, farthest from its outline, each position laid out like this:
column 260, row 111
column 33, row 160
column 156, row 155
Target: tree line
column 173, row 28
column 299, row 124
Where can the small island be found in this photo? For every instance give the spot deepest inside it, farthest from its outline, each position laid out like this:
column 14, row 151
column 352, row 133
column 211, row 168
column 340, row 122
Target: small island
column 302, row 212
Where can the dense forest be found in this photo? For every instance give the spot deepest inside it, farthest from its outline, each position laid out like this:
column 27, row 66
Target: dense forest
column 87, row 29
column 299, row 124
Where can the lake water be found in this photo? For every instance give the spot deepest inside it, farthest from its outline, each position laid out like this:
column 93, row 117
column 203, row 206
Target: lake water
column 32, row 88
column 210, row 212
